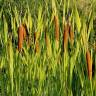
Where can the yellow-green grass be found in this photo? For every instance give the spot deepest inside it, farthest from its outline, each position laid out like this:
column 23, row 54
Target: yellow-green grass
column 51, row 72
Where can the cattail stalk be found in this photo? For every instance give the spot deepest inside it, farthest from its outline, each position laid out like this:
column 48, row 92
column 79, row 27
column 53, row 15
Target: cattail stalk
column 56, row 21
column 89, row 64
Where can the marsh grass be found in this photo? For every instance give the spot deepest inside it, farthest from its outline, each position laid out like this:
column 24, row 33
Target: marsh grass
column 41, row 69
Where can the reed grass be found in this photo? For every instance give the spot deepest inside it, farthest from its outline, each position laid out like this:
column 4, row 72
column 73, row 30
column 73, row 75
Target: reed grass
column 51, row 72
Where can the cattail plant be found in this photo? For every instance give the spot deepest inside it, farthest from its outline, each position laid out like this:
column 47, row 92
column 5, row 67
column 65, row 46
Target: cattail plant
column 71, row 34
column 37, row 50
column 65, row 36
column 36, row 37
column 21, row 36
column 89, row 64
column 26, row 34
column 48, row 44
column 56, row 21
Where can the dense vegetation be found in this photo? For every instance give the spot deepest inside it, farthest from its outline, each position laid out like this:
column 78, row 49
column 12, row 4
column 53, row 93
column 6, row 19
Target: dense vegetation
column 47, row 48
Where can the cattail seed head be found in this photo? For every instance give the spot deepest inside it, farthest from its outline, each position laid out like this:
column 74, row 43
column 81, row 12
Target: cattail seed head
column 89, row 64
column 56, row 21
column 65, row 36
column 48, row 44
column 56, row 27
column 26, row 34
column 37, row 48
column 21, row 36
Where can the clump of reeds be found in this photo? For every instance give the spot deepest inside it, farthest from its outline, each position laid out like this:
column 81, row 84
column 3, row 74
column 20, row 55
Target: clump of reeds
column 89, row 64
column 56, row 22
column 65, row 36
column 48, row 44
column 21, row 36
column 71, row 34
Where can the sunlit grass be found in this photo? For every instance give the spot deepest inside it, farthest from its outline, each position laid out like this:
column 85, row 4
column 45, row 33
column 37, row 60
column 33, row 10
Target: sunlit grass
column 49, row 63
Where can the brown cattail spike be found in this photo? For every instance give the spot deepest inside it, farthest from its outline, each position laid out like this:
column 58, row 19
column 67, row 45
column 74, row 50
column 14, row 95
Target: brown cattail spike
column 48, row 44
column 26, row 34
column 65, row 36
column 89, row 64
column 37, row 49
column 56, row 21
column 56, row 27
column 21, row 36
column 71, row 34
